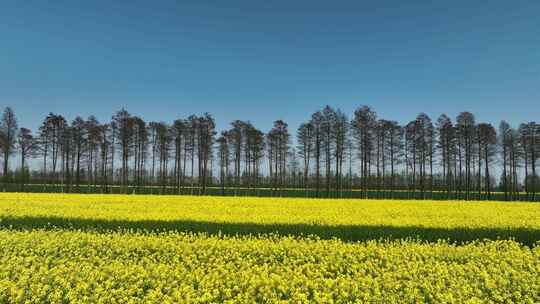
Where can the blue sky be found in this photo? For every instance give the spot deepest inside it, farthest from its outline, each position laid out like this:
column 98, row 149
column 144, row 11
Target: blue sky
column 267, row 60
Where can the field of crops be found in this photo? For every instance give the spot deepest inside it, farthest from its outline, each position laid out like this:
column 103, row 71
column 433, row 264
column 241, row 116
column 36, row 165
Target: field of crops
column 272, row 192
column 169, row 249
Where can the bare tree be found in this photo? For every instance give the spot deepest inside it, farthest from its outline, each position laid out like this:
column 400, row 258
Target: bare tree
column 446, row 144
column 236, row 134
column 80, row 141
column 140, row 150
column 394, row 147
column 328, row 139
column 341, row 133
column 363, row 125
column 424, row 143
column 316, row 122
column 530, row 146
column 8, row 138
column 224, row 158
column 191, row 138
column 124, row 124
column 254, row 152
column 411, row 153
column 488, row 141
column 466, row 130
column 164, row 140
column 66, row 154
column 515, row 156
column 27, row 145
column 380, row 138
column 305, row 147
column 535, row 156
column 93, row 140
column 504, row 135
column 178, row 130
column 278, row 145
column 105, row 148
column 205, row 142
column 51, row 133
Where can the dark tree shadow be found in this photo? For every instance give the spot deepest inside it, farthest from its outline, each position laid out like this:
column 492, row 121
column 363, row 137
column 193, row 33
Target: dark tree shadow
column 526, row 236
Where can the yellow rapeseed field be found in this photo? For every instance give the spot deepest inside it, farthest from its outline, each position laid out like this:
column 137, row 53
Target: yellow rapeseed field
column 327, row 218
column 58, row 248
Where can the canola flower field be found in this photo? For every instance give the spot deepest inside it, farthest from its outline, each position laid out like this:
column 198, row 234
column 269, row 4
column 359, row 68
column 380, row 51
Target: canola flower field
column 57, row 248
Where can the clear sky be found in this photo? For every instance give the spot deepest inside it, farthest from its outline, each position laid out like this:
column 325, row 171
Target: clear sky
column 266, row 60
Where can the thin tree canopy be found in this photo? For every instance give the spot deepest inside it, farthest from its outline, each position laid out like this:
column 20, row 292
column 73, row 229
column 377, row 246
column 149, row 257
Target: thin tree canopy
column 331, row 155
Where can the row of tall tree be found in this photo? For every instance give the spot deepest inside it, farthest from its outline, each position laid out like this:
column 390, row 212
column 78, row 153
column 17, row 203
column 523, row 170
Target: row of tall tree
column 331, row 154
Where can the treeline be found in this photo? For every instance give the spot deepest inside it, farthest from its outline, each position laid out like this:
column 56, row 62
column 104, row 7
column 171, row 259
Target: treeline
column 330, row 155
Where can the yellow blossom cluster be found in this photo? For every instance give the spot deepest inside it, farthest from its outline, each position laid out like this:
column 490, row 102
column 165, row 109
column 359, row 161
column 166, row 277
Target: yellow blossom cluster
column 60, row 248
column 59, row 266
